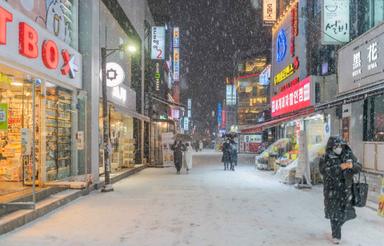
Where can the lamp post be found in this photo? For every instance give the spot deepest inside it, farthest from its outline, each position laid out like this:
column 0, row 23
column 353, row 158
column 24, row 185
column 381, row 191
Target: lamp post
column 105, row 52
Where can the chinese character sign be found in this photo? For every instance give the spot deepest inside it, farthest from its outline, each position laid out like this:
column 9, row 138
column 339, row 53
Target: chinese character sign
column 158, row 43
column 176, row 64
column 335, row 22
column 269, row 11
column 361, row 62
column 292, row 99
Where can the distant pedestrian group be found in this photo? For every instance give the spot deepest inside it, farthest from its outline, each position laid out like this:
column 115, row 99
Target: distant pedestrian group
column 229, row 157
column 182, row 156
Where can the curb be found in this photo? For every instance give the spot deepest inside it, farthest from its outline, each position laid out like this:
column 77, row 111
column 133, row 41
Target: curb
column 19, row 218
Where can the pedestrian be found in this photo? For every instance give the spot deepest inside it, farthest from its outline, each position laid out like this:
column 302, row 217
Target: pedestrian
column 338, row 166
column 188, row 157
column 178, row 147
column 233, row 155
column 226, row 158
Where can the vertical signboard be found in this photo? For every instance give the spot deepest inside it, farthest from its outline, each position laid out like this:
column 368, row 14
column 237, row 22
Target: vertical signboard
column 186, row 123
column 176, row 64
column 219, row 111
column 269, row 12
column 335, row 23
column 176, row 37
column 189, row 108
column 158, row 43
column 230, row 95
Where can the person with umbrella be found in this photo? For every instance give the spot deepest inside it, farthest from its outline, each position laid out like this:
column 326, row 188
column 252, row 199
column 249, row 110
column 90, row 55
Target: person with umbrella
column 178, row 147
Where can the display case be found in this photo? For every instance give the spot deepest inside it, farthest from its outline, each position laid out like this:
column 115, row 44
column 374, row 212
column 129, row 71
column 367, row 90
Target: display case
column 58, row 133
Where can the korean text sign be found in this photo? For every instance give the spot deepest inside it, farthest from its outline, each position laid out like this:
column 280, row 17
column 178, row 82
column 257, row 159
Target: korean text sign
column 335, row 21
column 158, row 43
column 269, row 11
column 292, row 99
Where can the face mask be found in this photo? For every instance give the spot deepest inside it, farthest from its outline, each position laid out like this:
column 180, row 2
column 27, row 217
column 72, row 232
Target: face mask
column 338, row 150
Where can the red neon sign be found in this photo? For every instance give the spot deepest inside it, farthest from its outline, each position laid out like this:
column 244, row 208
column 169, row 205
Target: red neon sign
column 292, row 99
column 29, row 46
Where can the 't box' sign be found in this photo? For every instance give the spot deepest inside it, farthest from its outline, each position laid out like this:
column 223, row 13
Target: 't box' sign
column 24, row 42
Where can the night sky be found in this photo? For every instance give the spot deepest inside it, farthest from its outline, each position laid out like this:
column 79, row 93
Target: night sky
column 213, row 32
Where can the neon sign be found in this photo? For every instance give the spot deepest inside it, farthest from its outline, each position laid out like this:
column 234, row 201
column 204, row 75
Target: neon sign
column 281, row 45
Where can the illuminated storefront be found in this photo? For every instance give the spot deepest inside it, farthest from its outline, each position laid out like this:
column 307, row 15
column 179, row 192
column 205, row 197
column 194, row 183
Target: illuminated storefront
column 41, row 103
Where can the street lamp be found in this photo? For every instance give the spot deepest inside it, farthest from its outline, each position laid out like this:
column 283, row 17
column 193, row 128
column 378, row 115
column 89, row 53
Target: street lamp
column 105, row 52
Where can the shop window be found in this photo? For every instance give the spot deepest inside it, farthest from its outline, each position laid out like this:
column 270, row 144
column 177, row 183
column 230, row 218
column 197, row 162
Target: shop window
column 374, row 119
column 16, row 134
column 58, row 132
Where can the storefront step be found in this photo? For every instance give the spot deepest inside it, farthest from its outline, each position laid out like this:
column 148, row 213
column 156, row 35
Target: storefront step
column 26, row 196
column 21, row 217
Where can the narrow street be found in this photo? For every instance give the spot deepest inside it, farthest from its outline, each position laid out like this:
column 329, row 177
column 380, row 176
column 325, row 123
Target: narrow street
column 209, row 206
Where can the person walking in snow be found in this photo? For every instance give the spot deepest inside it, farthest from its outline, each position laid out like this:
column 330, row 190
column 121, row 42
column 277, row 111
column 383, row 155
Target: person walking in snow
column 233, row 155
column 338, row 166
column 226, row 158
column 178, row 147
column 188, row 157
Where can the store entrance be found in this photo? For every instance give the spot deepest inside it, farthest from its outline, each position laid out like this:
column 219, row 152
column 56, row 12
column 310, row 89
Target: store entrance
column 20, row 129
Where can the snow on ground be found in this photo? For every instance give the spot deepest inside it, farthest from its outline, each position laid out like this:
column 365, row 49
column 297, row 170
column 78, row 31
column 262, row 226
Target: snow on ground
column 209, row 206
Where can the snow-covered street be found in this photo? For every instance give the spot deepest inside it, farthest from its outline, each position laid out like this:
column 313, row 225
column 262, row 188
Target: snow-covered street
column 209, row 206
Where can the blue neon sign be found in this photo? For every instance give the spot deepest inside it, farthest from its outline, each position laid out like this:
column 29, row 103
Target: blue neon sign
column 281, row 45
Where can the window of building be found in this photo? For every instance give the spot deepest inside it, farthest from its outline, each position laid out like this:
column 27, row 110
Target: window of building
column 374, row 119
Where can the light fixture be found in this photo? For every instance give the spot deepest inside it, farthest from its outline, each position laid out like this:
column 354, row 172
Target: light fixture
column 131, row 49
column 17, row 84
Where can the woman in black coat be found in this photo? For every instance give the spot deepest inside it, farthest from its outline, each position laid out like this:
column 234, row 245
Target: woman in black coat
column 338, row 167
column 178, row 147
column 226, row 154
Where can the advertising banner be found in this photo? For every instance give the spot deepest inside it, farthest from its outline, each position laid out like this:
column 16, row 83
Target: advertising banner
column 335, row 24
column 292, row 99
column 176, row 64
column 158, row 43
column 219, row 112
column 269, row 11
column 3, row 116
column 361, row 62
column 265, row 76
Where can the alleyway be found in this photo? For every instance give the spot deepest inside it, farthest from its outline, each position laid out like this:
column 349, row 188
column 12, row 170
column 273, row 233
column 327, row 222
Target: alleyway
column 206, row 207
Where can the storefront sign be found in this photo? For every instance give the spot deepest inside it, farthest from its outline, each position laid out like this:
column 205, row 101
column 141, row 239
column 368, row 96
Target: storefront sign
column 230, row 95
column 176, row 37
column 120, row 94
column 286, row 72
column 281, row 45
column 158, row 43
column 189, row 108
column 265, row 76
column 24, row 42
column 219, row 111
column 157, row 76
column 295, row 98
column 167, row 140
column 347, row 110
column 335, row 22
column 115, row 74
column 361, row 61
column 269, row 11
column 186, row 123
column 288, row 46
column 176, row 64
column 3, row 116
